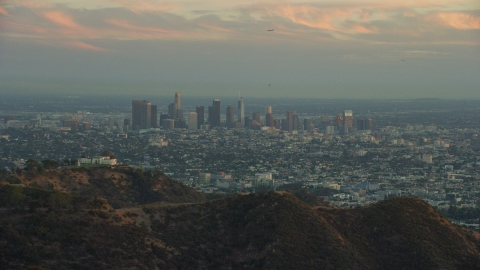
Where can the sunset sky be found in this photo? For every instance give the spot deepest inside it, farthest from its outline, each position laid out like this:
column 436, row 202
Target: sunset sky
column 319, row 49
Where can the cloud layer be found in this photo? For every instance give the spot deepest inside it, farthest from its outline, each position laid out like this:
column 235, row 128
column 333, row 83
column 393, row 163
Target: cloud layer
column 366, row 22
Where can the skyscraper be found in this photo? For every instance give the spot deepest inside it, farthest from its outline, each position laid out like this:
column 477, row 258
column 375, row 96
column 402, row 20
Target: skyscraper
column 200, row 115
column 230, row 117
column 289, row 122
column 192, row 120
column 269, row 117
column 175, row 109
column 347, row 121
column 269, row 120
column 136, row 114
column 296, row 122
column 268, row 109
column 214, row 114
column 241, row 111
column 146, row 115
column 141, row 114
column 178, row 106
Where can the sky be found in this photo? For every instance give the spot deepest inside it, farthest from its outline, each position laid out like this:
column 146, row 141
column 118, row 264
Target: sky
column 355, row 49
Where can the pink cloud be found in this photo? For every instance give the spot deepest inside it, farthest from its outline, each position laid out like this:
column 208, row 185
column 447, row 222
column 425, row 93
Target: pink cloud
column 3, row 11
column 214, row 27
column 61, row 19
column 85, row 46
column 461, row 21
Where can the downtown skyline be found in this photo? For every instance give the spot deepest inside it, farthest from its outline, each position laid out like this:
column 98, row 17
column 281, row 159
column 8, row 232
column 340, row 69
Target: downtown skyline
column 318, row 49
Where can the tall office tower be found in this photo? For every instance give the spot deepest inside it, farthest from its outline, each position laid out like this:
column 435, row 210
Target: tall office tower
column 269, row 120
column 175, row 109
column 177, row 102
column 241, row 111
column 307, row 124
column 154, row 116
column 288, row 126
column 141, row 114
column 214, row 114
column 200, row 115
column 146, row 114
column 368, row 124
column 256, row 117
column 268, row 109
column 192, row 120
column 172, row 113
column 136, row 114
column 230, row 117
column 347, row 120
column 296, row 122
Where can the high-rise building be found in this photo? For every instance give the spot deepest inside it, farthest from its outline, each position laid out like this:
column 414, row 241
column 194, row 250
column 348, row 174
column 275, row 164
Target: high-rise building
column 230, row 117
column 368, row 124
column 178, row 106
column 172, row 113
column 141, row 114
column 175, row 109
column 136, row 114
column 154, row 117
column 146, row 115
column 241, row 111
column 200, row 110
column 288, row 126
column 214, row 114
column 347, row 120
column 269, row 120
column 192, row 121
column 296, row 122
column 268, row 109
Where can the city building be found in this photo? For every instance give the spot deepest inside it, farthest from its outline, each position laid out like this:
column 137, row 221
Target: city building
column 200, row 110
column 192, row 120
column 347, row 121
column 241, row 112
column 214, row 114
column 230, row 117
column 175, row 109
column 141, row 114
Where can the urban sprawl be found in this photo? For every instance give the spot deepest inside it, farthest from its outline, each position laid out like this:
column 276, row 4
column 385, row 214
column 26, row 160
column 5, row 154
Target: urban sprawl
column 351, row 160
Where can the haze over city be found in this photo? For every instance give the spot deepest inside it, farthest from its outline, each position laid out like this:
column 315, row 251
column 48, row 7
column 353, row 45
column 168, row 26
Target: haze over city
column 317, row 49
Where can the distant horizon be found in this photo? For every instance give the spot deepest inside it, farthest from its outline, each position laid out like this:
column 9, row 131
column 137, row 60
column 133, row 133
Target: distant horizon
column 73, row 87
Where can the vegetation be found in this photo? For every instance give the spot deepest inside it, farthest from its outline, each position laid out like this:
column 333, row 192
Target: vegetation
column 65, row 220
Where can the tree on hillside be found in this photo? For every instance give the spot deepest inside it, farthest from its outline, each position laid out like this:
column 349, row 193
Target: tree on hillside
column 50, row 164
column 15, row 197
column 31, row 165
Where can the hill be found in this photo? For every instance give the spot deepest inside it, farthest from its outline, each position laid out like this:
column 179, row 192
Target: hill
column 121, row 187
column 270, row 230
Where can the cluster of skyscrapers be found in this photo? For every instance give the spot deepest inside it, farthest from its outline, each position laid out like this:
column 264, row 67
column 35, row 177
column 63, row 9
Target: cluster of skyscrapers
column 144, row 116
